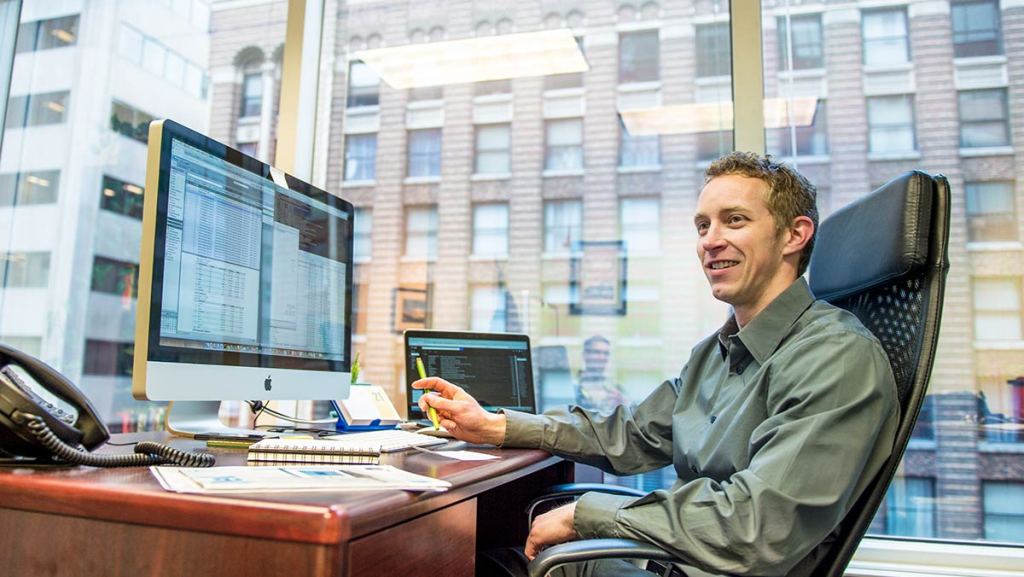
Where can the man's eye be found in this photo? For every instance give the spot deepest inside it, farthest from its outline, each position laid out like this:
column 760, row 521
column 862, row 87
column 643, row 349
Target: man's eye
column 736, row 219
column 702, row 227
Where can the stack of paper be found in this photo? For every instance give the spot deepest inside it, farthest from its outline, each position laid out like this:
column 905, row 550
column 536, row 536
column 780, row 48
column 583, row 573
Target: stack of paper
column 308, row 478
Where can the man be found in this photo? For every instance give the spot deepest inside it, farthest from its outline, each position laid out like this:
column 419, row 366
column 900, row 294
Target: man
column 594, row 391
column 774, row 427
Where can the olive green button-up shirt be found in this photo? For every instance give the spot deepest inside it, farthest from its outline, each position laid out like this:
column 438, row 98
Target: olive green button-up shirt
column 773, row 431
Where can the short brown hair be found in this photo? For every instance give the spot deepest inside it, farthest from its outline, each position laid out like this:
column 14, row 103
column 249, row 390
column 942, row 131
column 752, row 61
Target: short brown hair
column 789, row 194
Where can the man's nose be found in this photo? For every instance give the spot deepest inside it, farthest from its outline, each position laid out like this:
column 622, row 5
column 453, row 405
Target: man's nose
column 712, row 238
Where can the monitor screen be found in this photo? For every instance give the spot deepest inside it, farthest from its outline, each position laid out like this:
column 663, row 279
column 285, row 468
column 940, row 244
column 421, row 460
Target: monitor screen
column 247, row 294
column 493, row 367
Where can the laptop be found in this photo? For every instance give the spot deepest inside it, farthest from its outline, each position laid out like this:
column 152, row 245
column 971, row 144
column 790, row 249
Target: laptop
column 493, row 367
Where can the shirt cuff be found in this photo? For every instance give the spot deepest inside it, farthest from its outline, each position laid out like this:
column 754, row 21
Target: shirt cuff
column 523, row 430
column 596, row 515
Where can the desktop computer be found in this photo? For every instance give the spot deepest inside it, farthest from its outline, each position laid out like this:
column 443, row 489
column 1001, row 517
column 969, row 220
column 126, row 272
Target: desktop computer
column 245, row 282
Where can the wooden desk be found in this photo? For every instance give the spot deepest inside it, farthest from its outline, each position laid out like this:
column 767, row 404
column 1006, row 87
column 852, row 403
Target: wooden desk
column 114, row 522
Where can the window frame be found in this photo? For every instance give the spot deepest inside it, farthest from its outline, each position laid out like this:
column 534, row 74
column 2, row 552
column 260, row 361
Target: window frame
column 901, row 10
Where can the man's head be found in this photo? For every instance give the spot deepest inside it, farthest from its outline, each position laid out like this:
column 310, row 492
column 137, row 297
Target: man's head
column 596, row 351
column 756, row 219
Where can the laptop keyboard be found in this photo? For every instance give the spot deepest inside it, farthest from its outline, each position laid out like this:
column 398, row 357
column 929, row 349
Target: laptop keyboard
column 390, row 440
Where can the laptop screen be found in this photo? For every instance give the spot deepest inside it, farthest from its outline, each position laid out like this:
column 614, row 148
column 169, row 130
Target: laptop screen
column 493, row 367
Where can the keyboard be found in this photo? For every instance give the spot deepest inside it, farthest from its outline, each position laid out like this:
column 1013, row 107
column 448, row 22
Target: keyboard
column 390, row 440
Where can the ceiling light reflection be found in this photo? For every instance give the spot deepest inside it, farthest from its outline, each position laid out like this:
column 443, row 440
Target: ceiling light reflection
column 714, row 116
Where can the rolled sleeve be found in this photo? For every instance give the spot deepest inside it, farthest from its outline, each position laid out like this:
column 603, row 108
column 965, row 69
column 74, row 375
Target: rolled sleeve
column 596, row 515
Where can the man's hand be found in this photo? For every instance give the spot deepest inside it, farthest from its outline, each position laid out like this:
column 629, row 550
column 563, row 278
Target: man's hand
column 551, row 528
column 459, row 412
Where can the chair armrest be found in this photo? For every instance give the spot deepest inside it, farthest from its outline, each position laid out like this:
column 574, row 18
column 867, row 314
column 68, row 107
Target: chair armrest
column 556, row 492
column 588, row 549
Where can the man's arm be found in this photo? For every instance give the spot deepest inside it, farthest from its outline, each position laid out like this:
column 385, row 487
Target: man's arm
column 831, row 426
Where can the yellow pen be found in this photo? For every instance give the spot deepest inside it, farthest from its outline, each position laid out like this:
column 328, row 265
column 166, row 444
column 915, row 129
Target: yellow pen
column 431, row 411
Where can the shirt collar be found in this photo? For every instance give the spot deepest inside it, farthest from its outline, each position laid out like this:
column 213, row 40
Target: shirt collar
column 762, row 335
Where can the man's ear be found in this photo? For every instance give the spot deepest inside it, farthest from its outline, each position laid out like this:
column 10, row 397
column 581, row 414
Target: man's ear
column 800, row 233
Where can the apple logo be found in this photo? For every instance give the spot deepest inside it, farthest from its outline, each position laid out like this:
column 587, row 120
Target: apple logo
column 266, row 383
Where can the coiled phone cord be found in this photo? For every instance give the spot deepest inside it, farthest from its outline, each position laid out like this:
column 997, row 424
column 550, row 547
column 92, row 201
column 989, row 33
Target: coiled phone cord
column 146, row 452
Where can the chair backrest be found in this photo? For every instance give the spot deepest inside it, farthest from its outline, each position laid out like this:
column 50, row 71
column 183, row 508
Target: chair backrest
column 884, row 259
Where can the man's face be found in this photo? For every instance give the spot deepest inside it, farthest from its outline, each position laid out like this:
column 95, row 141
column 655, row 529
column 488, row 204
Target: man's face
column 595, row 356
column 739, row 246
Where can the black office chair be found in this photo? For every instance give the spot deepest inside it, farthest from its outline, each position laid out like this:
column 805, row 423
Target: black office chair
column 883, row 258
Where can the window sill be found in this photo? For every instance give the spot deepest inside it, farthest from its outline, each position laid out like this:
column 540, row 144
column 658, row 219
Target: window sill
column 994, row 345
column 802, row 73
column 980, row 60
column 564, row 92
column 995, row 246
column 422, row 180
column 358, row 183
column 991, row 447
column 565, row 255
column 808, row 159
column 901, row 558
column 488, row 257
column 410, row 259
column 908, row 155
column 640, row 86
column 901, row 67
column 487, row 177
column 639, row 169
column 552, row 173
column 362, row 110
column 986, row 151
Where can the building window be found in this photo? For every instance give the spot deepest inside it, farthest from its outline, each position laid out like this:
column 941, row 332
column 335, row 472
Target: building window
column 1004, row 511
column 421, row 232
column 810, row 140
column 362, row 233
column 249, row 148
column 122, row 197
column 891, row 124
column 493, row 144
column 488, row 309
column 47, row 34
column 130, row 122
column 252, row 95
column 638, row 56
column 910, row 507
column 25, row 270
column 991, row 212
column 885, row 37
column 640, row 224
column 30, row 345
column 976, row 30
column 984, row 119
column 563, row 225
column 638, row 151
column 107, row 358
column 711, row 145
column 503, row 86
column 363, row 85
column 115, row 277
column 805, row 42
column 25, row 188
column 714, row 51
column 425, row 152
column 426, row 93
column 490, row 229
column 997, row 309
column 36, row 109
column 360, row 156
column 564, row 139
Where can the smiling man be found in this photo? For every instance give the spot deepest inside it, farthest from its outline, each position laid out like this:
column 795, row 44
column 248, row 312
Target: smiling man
column 774, row 427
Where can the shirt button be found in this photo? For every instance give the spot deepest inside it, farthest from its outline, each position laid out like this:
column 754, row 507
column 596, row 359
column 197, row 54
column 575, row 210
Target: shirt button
column 712, row 419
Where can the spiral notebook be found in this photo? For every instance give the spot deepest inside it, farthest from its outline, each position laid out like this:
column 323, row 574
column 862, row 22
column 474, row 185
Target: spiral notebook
column 312, row 452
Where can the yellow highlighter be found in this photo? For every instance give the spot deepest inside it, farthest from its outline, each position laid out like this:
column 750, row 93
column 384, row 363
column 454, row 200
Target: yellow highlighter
column 431, row 411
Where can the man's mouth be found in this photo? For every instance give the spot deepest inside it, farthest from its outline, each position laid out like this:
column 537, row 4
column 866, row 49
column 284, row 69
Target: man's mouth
column 719, row 265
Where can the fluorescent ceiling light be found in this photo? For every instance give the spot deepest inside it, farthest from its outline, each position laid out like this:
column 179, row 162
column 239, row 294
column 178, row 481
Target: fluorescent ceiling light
column 63, row 35
column 714, row 116
column 33, row 179
column 133, row 188
column 476, row 59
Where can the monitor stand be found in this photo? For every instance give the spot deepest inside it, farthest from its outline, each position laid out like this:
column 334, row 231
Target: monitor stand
column 191, row 418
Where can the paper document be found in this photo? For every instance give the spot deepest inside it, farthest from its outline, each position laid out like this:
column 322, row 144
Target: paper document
column 462, row 455
column 304, row 478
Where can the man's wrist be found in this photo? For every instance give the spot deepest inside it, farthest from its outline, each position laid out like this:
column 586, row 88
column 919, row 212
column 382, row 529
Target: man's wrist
column 499, row 422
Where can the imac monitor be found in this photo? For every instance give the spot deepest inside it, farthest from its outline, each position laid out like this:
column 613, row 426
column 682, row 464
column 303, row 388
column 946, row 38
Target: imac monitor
column 245, row 278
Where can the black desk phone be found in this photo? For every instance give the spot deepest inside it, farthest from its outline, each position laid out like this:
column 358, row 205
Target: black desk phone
column 46, row 420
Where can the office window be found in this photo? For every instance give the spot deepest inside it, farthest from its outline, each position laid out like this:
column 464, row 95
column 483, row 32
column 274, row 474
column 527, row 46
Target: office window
column 563, row 225
column 991, row 211
column 976, row 29
column 36, row 109
column 638, row 151
column 490, row 229
column 997, row 309
column 25, row 270
column 360, row 156
column 115, row 277
column 488, row 309
column 714, row 50
column 425, row 152
column 153, row 56
column 363, row 85
column 711, row 145
column 122, row 197
column 421, row 232
column 426, row 93
column 885, row 37
column 640, row 224
column 639, row 56
column 107, row 358
column 129, row 44
column 47, row 34
column 486, row 87
column 25, row 188
column 564, row 139
column 1004, row 511
column 811, row 140
column 362, row 233
column 910, row 507
column 130, row 122
column 805, row 43
column 984, row 119
column 493, row 144
column 891, row 124
column 252, row 95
